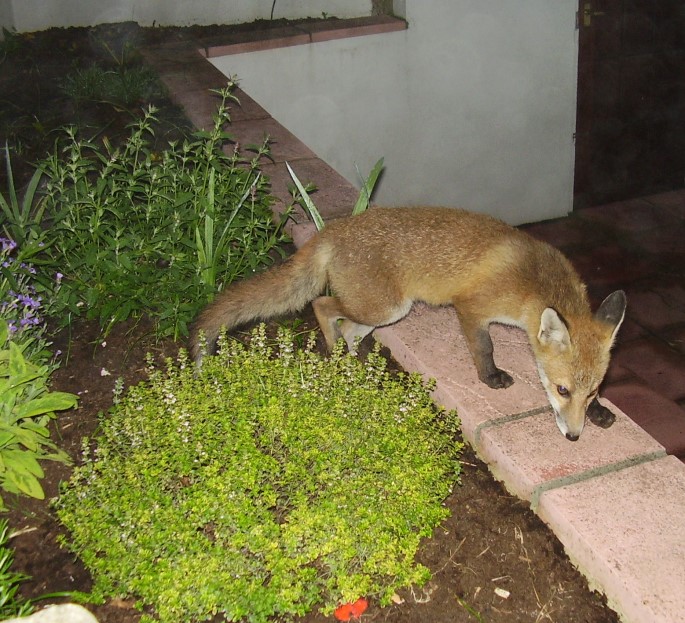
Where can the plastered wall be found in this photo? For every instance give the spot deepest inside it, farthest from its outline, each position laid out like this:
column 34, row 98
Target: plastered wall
column 473, row 105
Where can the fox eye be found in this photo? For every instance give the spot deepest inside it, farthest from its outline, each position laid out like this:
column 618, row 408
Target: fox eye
column 563, row 391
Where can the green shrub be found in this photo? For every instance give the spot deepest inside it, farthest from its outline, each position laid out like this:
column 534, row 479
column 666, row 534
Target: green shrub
column 26, row 405
column 272, row 482
column 26, row 408
column 139, row 232
column 123, row 86
column 11, row 604
column 119, row 76
column 21, row 218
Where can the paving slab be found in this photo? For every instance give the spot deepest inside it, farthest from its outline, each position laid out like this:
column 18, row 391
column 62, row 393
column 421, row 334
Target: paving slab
column 276, row 38
column 196, row 74
column 657, row 364
column 173, row 58
column 660, row 417
column 429, row 340
column 635, row 215
column 652, row 310
column 335, row 196
column 284, row 145
column 529, row 455
column 672, row 201
column 513, row 429
column 624, row 531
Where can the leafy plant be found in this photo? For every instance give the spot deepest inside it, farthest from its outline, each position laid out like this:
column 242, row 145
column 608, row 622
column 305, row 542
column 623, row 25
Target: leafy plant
column 271, row 482
column 121, row 81
column 26, row 407
column 362, row 203
column 121, row 87
column 10, row 44
column 135, row 231
column 22, row 219
column 26, row 298
column 11, row 605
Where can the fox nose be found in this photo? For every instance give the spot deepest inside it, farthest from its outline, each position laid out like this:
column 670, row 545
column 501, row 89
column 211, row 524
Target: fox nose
column 572, row 437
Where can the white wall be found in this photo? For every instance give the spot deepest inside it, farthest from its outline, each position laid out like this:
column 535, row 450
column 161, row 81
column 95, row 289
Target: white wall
column 473, row 105
column 32, row 15
column 6, row 16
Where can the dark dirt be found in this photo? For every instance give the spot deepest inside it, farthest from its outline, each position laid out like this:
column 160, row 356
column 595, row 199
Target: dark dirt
column 492, row 540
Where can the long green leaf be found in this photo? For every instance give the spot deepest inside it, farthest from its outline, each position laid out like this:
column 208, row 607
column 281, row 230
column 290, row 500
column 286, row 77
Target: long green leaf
column 54, row 401
column 17, row 363
column 24, row 483
column 224, row 234
column 13, row 203
column 309, row 204
column 367, row 189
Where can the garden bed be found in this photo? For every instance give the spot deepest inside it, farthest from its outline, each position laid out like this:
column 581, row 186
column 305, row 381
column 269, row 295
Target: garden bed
column 492, row 560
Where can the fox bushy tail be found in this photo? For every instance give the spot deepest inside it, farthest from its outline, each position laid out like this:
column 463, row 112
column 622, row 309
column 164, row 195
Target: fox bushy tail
column 282, row 289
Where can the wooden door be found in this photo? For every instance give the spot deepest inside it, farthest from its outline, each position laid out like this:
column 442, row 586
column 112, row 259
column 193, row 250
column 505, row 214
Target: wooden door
column 630, row 128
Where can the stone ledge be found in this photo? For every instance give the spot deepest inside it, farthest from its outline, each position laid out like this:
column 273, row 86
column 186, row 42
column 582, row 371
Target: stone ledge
column 302, row 34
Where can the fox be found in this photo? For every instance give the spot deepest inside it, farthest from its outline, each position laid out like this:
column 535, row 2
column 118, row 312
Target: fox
column 377, row 264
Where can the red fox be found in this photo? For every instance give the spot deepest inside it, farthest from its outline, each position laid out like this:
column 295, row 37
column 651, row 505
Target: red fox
column 381, row 261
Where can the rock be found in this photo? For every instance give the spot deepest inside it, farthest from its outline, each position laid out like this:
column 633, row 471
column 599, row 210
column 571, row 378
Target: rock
column 62, row 613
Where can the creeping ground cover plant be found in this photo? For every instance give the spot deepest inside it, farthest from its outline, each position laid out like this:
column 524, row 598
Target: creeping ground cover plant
column 272, row 482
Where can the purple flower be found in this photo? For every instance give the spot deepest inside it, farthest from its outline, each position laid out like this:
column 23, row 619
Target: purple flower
column 8, row 245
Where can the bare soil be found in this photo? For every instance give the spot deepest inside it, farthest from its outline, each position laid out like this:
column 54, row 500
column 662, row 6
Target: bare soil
column 491, row 541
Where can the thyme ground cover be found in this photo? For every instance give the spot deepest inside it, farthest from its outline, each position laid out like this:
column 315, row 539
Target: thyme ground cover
column 273, row 482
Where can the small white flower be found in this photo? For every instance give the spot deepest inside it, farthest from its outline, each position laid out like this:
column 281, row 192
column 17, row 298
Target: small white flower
column 105, row 372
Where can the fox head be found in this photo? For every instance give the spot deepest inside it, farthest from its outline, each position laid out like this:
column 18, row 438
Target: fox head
column 573, row 357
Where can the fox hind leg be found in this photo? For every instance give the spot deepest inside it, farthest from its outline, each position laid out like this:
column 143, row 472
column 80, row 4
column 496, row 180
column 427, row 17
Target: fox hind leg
column 353, row 333
column 328, row 312
column 336, row 321
column 335, row 324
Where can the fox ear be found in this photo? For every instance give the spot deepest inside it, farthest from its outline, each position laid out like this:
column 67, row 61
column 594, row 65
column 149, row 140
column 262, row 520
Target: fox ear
column 553, row 330
column 612, row 311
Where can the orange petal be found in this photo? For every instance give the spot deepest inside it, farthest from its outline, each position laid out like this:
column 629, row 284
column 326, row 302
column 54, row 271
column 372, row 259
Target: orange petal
column 358, row 607
column 344, row 612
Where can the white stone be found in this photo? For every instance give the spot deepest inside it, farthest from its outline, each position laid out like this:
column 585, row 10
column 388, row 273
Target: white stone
column 62, row 613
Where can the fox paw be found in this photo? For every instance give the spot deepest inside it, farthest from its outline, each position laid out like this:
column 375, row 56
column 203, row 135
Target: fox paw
column 599, row 415
column 499, row 379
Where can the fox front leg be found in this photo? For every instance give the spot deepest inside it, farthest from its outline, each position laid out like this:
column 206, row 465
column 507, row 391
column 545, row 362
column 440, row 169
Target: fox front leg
column 599, row 415
column 481, row 349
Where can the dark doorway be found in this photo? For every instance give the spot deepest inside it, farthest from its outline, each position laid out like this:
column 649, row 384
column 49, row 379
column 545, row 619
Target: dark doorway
column 630, row 129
